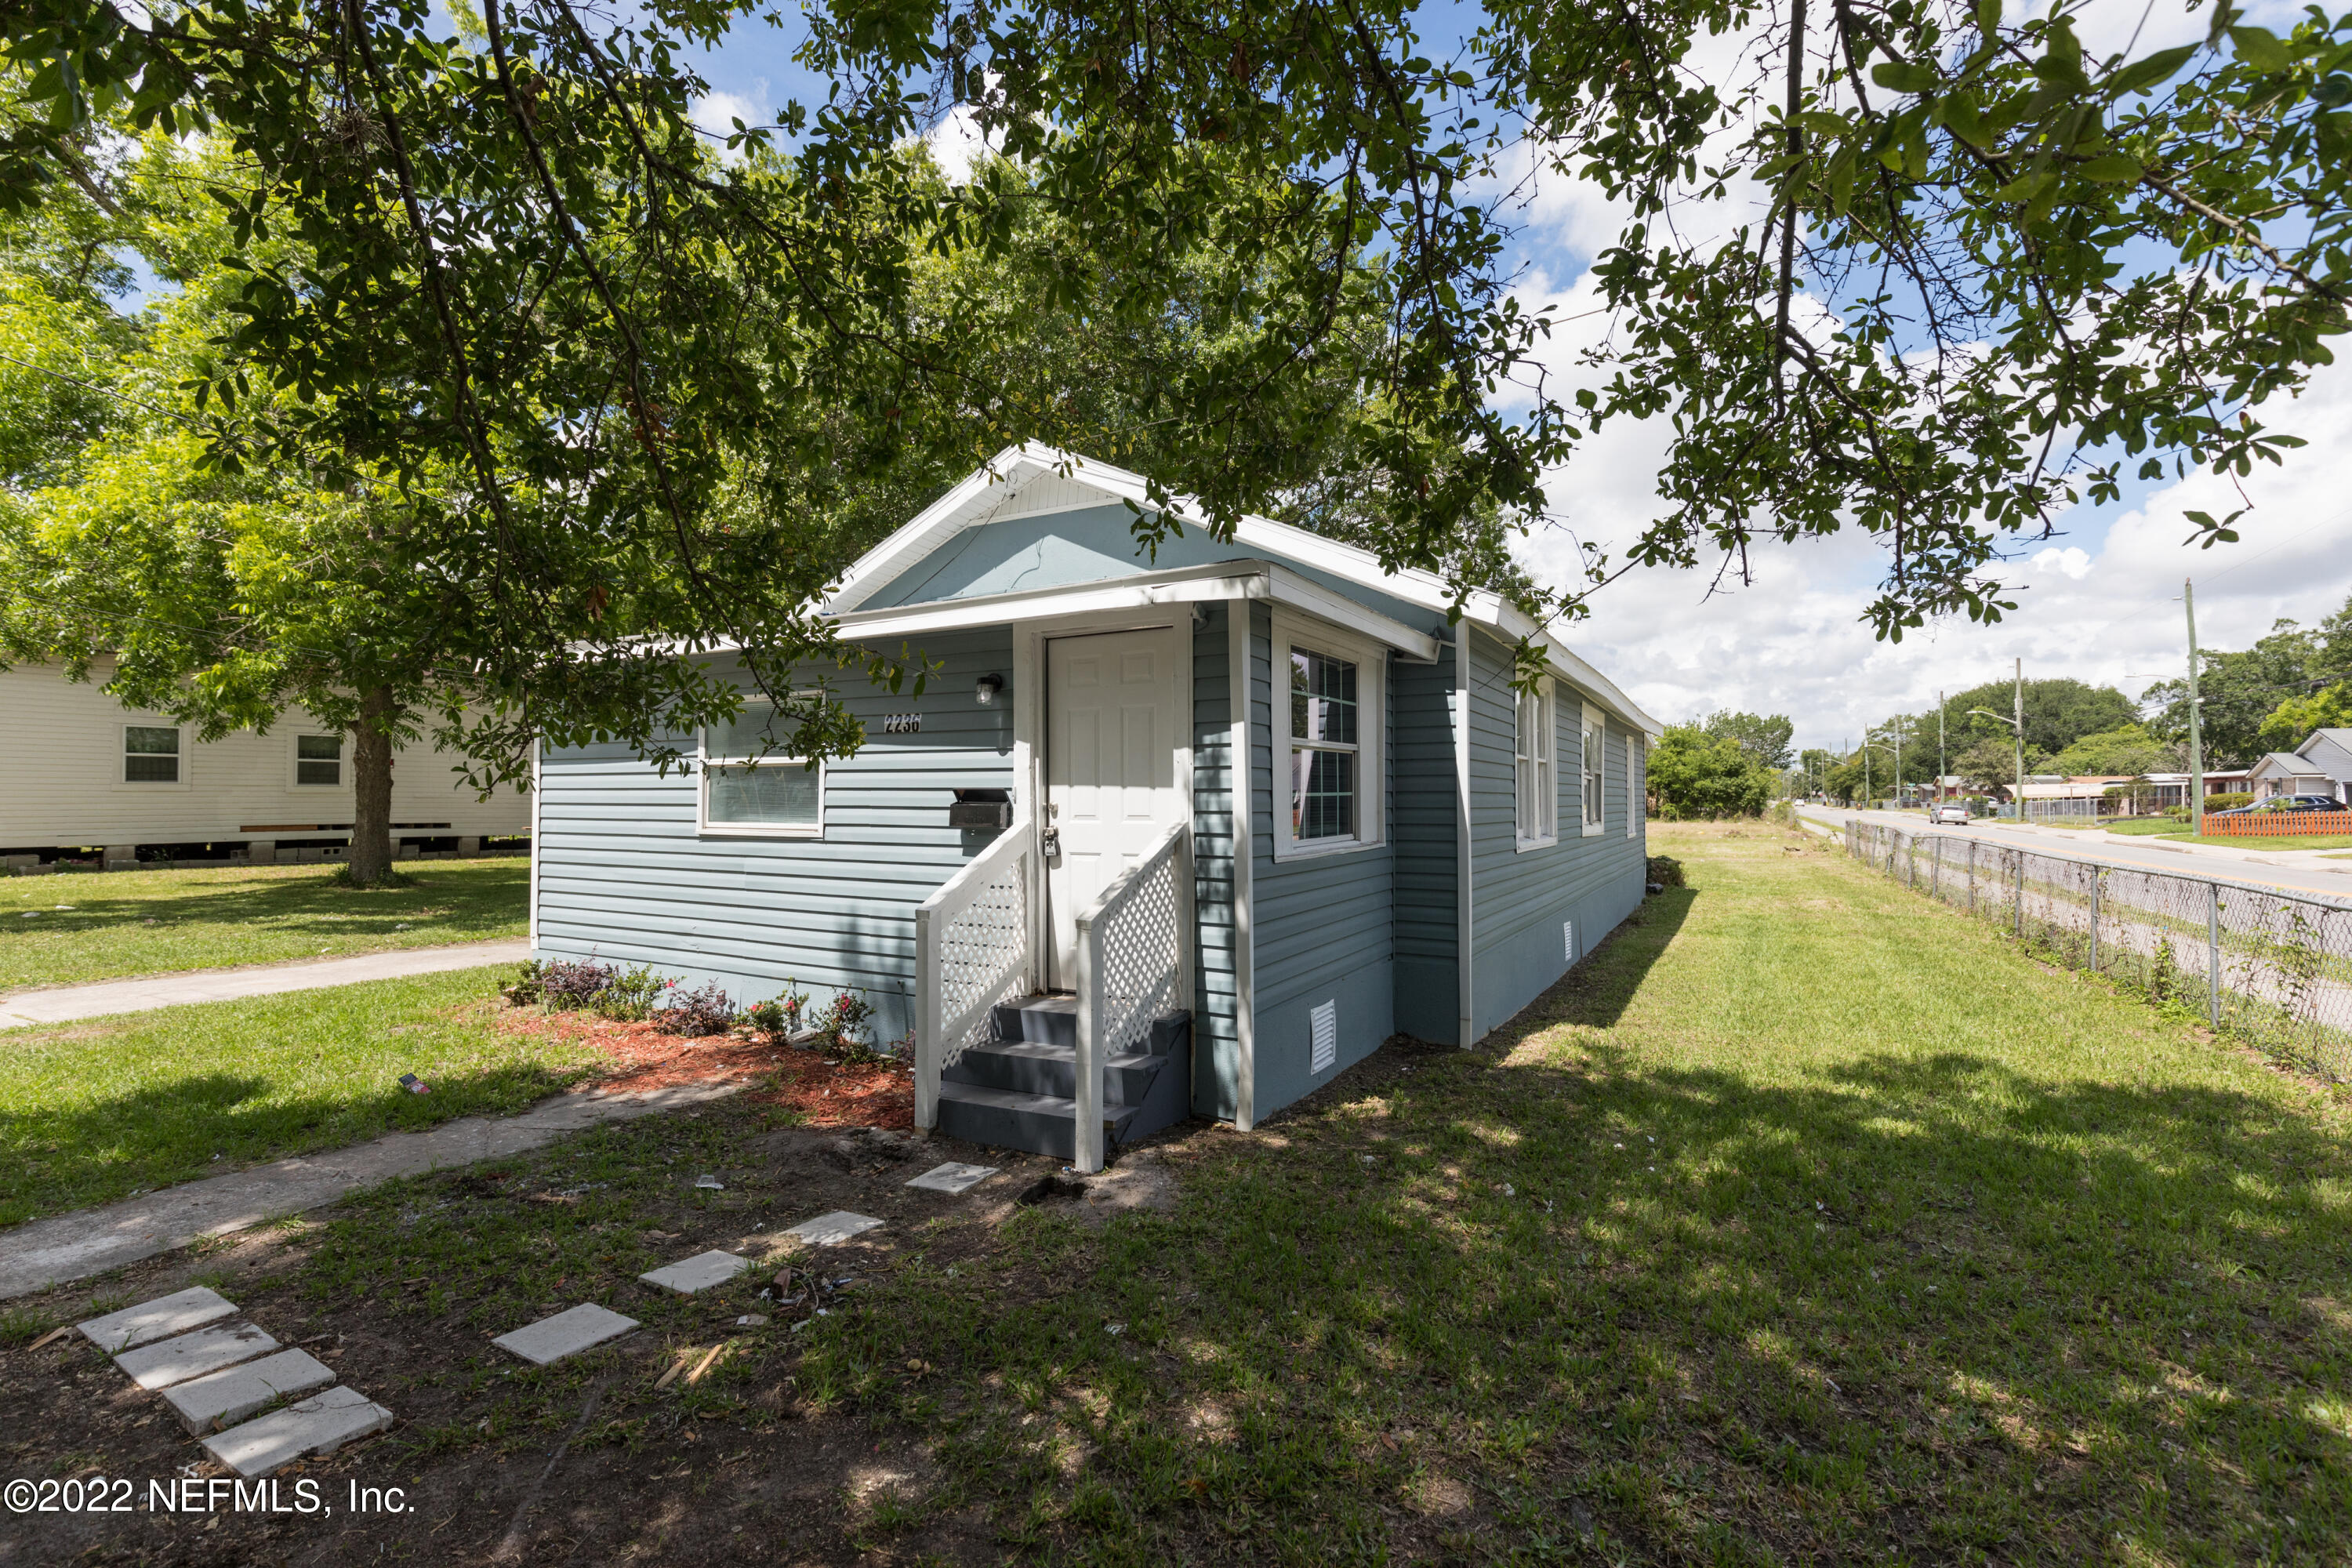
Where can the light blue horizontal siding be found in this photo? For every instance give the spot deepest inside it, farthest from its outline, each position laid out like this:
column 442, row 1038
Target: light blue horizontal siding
column 1323, row 925
column 1216, row 1034
column 1521, row 897
column 625, row 876
column 1423, row 814
column 1094, row 544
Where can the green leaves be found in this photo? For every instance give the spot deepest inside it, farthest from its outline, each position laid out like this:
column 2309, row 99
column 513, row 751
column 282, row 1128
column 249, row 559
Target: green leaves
column 1905, row 76
column 2261, row 50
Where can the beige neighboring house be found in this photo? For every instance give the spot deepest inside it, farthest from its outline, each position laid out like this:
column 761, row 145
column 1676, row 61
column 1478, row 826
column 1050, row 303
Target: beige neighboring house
column 85, row 773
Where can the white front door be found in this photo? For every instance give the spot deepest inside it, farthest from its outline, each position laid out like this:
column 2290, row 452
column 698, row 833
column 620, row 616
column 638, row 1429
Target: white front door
column 1113, row 703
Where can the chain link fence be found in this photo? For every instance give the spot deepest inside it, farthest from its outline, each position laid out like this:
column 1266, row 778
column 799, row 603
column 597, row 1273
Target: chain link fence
column 2272, row 967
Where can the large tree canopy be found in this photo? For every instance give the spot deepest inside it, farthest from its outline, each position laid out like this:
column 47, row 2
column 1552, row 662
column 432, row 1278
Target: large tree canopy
column 610, row 372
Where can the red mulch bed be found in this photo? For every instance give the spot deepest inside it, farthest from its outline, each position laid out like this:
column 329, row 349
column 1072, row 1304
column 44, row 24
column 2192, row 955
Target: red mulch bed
column 825, row 1091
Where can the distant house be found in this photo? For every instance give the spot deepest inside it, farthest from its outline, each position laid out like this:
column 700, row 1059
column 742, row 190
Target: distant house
column 1190, row 834
column 2321, row 765
column 84, row 772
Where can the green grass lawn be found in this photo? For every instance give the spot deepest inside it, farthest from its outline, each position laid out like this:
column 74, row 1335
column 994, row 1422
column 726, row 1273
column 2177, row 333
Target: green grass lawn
column 1806, row 1222
column 92, row 1112
column 123, row 923
column 2142, row 826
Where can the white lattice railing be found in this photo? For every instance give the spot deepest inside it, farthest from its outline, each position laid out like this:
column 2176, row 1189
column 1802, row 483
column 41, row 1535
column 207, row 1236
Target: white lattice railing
column 972, row 952
column 1135, row 961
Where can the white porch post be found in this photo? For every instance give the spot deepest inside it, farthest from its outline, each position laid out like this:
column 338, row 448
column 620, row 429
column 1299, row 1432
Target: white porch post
column 928, row 1044
column 1087, row 1136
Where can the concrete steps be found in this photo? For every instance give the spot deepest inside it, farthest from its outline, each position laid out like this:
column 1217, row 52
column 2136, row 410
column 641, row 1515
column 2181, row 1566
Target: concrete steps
column 1020, row 1090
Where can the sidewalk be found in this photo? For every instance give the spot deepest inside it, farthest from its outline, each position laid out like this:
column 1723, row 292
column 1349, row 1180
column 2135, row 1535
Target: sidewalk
column 63, row 1004
column 45, row 1252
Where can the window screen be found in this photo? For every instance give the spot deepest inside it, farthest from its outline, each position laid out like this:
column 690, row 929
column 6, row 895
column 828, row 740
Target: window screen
column 742, row 788
column 151, row 754
column 318, row 758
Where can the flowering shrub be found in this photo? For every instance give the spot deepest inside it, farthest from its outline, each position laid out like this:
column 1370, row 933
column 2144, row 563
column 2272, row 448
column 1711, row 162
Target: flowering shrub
column 844, row 1024
column 777, row 1016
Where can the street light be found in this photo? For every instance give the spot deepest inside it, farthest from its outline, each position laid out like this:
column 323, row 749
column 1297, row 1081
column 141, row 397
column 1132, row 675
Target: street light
column 1894, row 728
column 1867, row 747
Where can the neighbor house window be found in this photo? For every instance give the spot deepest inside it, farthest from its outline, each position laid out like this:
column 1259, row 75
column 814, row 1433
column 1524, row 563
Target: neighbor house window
column 1533, row 780
column 1330, row 690
column 151, row 753
column 745, row 791
column 1595, row 741
column 318, row 758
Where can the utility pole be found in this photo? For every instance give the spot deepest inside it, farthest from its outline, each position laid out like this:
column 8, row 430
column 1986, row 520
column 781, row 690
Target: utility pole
column 1939, row 748
column 2019, row 706
column 2196, row 733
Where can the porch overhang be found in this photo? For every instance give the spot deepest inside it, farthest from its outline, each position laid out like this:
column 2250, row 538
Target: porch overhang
column 1267, row 580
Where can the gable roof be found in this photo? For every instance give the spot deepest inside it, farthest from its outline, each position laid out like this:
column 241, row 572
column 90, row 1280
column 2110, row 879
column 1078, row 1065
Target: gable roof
column 2289, row 763
column 1024, row 481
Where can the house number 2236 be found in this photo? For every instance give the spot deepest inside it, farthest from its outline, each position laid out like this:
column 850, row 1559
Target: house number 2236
column 901, row 723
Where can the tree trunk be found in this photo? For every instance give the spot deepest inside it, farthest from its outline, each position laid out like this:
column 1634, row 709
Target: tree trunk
column 371, row 858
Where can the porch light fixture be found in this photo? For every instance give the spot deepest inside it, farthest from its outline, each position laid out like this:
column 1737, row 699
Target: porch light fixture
column 985, row 692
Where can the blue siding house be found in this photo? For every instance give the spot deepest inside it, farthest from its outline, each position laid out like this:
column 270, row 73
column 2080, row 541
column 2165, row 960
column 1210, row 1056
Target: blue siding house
column 1186, row 835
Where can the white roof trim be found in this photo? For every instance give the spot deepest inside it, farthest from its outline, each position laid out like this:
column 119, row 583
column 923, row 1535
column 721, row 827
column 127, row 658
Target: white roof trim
column 977, row 499
column 1178, row 586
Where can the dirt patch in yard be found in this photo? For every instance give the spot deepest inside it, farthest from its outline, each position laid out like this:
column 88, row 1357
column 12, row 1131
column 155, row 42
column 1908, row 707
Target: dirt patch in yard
column 602, row 1457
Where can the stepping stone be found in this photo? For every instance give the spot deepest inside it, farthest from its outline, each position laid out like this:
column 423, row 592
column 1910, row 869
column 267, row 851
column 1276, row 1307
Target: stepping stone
column 566, row 1334
column 156, row 1320
column 224, row 1398
column 952, row 1177
column 699, row 1272
column 319, row 1425
column 167, row 1362
column 831, row 1229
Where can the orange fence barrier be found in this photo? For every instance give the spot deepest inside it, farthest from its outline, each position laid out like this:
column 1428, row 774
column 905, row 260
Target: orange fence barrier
column 2280, row 825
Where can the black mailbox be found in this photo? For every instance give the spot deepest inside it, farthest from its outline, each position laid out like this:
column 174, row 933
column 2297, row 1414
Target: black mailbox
column 986, row 809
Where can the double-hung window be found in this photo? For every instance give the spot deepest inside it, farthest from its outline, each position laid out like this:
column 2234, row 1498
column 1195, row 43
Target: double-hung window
column 151, row 753
column 1534, row 781
column 319, row 759
column 747, row 789
column 1328, row 688
column 1593, row 751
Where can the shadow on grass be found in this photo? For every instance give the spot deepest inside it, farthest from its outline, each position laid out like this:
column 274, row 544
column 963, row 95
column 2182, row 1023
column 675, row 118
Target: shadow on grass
column 473, row 901
column 1930, row 1307
column 58, row 1158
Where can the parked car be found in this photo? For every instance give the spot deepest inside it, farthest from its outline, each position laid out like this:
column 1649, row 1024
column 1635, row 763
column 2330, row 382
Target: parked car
column 1950, row 811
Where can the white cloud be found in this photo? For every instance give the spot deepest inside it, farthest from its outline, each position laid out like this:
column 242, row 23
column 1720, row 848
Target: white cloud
column 2071, row 562
column 2105, row 610
column 716, row 113
column 956, row 143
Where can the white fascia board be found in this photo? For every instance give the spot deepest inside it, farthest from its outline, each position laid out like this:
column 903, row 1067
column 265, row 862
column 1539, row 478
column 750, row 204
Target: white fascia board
column 1499, row 614
column 1186, row 584
column 1177, row 585
column 1305, row 593
column 994, row 482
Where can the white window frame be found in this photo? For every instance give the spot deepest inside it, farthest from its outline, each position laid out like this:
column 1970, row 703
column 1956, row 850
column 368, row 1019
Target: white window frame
column 1592, row 760
column 122, row 779
column 751, row 829
column 1535, row 764
column 1637, row 801
column 1370, row 660
column 294, row 760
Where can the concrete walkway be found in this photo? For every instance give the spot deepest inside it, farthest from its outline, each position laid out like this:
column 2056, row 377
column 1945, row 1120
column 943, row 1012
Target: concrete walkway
column 63, row 1004
column 47, row 1252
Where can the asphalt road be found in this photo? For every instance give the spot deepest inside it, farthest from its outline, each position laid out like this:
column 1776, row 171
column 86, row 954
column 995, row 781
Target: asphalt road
column 2301, row 872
